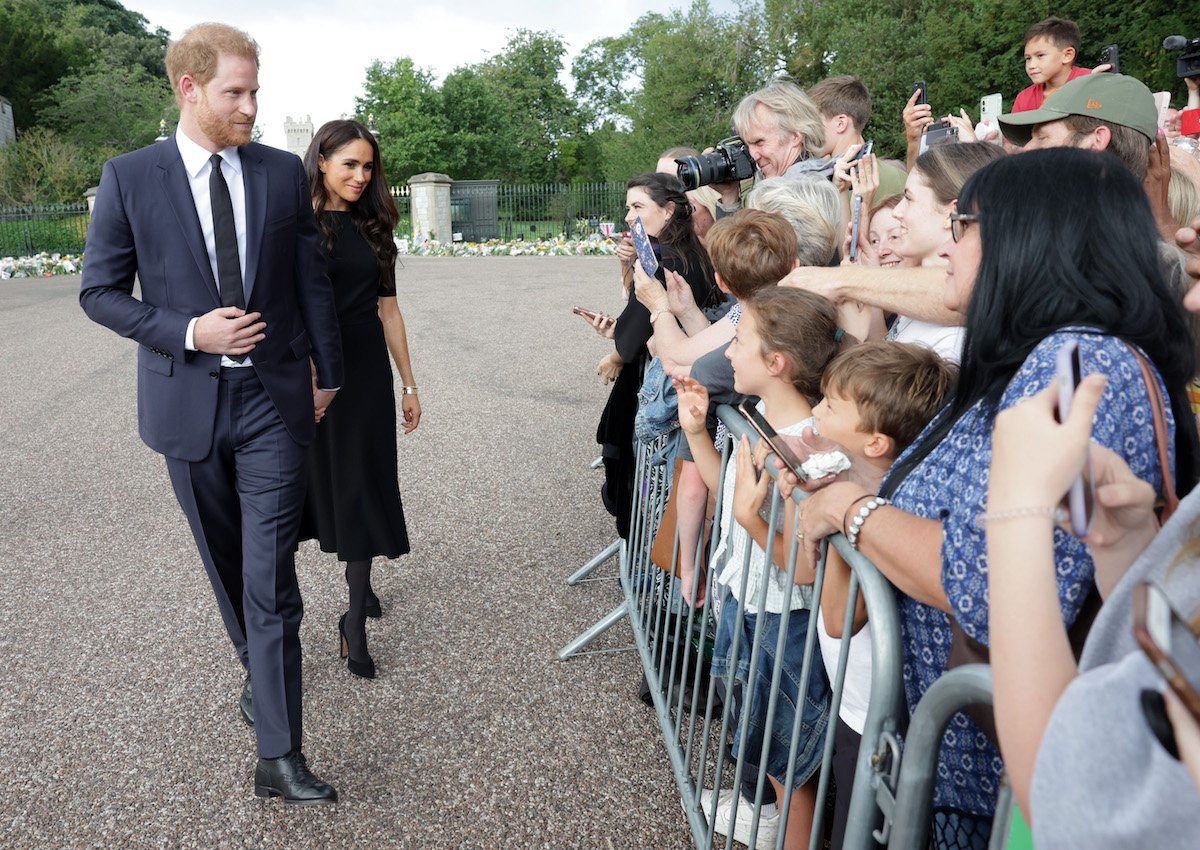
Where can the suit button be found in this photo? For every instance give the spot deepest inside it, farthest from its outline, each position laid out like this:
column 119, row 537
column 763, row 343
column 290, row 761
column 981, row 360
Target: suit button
column 214, row 374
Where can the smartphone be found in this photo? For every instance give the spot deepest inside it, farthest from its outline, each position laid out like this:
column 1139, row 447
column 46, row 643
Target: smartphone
column 645, row 251
column 1162, row 102
column 867, row 147
column 1111, row 55
column 1082, row 495
column 990, row 108
column 1189, row 122
column 938, row 133
column 922, row 98
column 592, row 315
column 1168, row 642
column 781, row 449
column 856, row 219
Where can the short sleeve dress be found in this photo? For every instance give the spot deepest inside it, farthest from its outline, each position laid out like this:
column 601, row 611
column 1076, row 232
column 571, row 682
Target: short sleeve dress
column 352, row 506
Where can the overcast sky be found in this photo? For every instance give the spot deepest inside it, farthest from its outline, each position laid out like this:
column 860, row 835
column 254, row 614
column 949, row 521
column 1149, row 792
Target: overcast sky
column 315, row 54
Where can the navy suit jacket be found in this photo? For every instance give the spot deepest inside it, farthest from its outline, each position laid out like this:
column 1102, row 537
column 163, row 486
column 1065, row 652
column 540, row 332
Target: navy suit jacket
column 145, row 224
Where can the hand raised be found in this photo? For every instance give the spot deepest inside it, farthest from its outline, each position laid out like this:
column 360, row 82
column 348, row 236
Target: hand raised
column 693, row 404
column 228, row 330
column 648, row 290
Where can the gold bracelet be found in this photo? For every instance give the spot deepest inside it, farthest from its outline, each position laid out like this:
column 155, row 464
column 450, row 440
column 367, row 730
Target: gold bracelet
column 1055, row 513
column 408, row 391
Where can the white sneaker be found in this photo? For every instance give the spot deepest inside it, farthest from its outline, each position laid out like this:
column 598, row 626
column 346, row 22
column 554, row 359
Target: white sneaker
column 768, row 828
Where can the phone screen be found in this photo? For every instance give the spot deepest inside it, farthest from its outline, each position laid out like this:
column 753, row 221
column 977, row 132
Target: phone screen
column 759, row 423
column 1082, row 495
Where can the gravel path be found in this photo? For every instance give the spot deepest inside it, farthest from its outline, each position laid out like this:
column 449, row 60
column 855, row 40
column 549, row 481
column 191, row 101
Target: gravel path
column 118, row 686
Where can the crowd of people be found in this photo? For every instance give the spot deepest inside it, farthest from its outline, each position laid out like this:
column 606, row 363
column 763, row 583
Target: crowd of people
column 921, row 317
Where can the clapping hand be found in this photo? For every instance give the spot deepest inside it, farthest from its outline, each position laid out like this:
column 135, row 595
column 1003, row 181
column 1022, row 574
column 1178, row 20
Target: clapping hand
column 693, row 404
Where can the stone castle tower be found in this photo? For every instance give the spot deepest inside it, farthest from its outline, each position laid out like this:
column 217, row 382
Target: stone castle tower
column 299, row 134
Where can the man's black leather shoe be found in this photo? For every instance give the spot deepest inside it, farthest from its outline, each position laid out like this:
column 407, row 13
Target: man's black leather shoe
column 290, row 778
column 246, row 703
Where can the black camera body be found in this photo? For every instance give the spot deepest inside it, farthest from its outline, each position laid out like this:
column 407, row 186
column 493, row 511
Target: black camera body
column 728, row 162
column 1188, row 64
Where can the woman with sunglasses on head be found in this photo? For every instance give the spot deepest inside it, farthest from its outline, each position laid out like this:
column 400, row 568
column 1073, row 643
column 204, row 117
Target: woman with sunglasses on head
column 353, row 504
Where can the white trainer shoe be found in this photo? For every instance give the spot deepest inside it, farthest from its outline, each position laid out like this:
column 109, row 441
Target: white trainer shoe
column 768, row 828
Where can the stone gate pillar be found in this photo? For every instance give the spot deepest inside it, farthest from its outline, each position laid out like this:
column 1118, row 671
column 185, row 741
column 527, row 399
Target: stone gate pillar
column 431, row 206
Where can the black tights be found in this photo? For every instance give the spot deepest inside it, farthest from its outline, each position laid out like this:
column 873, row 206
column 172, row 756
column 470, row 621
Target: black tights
column 358, row 577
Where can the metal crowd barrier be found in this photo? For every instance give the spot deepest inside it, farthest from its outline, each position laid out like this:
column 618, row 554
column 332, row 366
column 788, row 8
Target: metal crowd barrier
column 890, row 802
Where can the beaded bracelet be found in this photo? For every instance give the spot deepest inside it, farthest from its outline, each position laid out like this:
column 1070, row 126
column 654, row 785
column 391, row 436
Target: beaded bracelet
column 865, row 511
column 850, row 509
column 1054, row 512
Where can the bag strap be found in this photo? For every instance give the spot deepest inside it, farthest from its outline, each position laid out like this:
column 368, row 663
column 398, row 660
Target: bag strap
column 1158, row 406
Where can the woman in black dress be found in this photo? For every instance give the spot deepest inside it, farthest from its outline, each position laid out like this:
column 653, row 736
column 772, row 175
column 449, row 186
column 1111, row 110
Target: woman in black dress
column 353, row 503
column 659, row 200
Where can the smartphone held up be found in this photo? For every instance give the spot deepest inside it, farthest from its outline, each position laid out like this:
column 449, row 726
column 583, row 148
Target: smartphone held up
column 1082, row 495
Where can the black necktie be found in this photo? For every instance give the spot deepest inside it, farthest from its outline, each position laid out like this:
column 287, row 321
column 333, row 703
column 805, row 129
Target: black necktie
column 229, row 266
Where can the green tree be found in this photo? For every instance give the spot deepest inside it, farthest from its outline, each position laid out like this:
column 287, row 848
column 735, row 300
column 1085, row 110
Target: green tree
column 670, row 80
column 539, row 113
column 408, row 115
column 108, row 107
column 480, row 144
column 41, row 167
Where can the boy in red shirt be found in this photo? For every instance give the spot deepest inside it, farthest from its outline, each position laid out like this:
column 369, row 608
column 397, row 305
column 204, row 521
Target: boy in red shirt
column 1050, row 50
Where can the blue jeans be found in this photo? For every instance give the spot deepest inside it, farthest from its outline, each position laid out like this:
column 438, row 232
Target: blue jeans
column 815, row 716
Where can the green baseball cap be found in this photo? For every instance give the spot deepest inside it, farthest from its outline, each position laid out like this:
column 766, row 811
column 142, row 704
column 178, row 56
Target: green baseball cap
column 1112, row 98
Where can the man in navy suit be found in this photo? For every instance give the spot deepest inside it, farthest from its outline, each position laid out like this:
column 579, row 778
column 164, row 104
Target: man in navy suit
column 234, row 304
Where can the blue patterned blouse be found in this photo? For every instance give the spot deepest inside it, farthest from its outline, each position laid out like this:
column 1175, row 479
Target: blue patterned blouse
column 950, row 485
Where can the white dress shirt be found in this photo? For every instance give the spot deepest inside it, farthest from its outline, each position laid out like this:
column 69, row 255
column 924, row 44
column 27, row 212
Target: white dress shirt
column 196, row 163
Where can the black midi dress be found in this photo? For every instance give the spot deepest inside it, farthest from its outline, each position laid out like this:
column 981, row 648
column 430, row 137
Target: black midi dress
column 352, row 506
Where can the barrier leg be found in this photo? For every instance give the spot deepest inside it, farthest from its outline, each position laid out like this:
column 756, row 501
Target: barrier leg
column 590, row 567
column 603, row 625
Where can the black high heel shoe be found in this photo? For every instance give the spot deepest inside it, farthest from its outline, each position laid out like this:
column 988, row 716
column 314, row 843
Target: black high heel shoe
column 363, row 669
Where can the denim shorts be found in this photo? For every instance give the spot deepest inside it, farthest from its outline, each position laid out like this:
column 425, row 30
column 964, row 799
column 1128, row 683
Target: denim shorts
column 814, row 720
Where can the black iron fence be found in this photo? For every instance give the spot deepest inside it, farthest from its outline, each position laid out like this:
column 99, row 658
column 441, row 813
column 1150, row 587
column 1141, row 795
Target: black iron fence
column 52, row 229
column 518, row 211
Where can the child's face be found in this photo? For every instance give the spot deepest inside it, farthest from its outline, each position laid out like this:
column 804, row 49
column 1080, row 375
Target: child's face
column 838, row 420
column 1045, row 61
column 745, row 354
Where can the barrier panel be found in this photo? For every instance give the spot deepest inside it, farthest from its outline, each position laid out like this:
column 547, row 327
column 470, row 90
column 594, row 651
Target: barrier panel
column 890, row 802
column 694, row 714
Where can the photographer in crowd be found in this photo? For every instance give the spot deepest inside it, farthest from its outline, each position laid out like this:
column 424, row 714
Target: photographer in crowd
column 783, row 134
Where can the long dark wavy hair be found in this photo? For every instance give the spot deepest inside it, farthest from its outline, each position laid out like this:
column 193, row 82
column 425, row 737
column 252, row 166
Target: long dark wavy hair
column 374, row 214
column 1079, row 250
column 678, row 233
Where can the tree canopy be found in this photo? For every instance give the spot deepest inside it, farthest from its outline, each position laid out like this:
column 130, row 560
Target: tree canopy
column 674, row 79
column 86, row 81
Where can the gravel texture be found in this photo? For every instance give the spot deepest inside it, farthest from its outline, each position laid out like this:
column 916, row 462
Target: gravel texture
column 118, row 686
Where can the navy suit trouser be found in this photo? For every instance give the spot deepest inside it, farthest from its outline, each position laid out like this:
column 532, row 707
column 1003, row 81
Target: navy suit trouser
column 243, row 502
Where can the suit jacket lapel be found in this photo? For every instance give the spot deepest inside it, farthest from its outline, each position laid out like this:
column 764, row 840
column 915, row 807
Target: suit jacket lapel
column 178, row 189
column 254, row 176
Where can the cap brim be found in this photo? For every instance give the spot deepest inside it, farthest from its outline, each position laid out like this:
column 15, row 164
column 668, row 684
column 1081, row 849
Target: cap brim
column 1017, row 127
